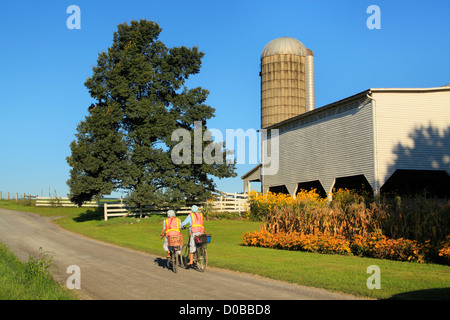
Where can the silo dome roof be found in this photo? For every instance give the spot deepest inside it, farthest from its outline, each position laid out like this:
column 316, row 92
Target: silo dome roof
column 284, row 45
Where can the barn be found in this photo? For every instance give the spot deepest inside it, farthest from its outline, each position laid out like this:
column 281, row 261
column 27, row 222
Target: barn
column 382, row 140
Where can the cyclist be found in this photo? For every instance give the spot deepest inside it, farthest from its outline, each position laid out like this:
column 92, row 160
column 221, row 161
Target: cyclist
column 195, row 219
column 171, row 227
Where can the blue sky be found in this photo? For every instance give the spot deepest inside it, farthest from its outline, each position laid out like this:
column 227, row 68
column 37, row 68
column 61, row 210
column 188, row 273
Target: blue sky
column 43, row 64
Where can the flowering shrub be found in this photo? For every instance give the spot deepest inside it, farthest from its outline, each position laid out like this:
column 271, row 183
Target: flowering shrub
column 379, row 246
column 321, row 243
column 444, row 251
column 376, row 246
column 263, row 204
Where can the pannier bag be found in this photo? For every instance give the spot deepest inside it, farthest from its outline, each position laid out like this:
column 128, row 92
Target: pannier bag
column 175, row 240
column 202, row 238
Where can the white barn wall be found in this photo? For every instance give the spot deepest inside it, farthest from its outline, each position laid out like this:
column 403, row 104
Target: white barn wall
column 401, row 113
column 338, row 143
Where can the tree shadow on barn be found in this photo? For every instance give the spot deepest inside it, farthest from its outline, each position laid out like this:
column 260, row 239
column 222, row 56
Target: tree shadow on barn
column 421, row 168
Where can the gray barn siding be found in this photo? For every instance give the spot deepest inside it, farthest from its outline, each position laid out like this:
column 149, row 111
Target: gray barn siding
column 338, row 143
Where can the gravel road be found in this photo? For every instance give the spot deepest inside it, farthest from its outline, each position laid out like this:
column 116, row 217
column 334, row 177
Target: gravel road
column 111, row 272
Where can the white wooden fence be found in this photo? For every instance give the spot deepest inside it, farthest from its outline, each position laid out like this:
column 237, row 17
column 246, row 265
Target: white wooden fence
column 230, row 202
column 61, row 202
column 10, row 196
column 221, row 202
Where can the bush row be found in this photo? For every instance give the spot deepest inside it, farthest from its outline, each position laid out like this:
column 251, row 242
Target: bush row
column 375, row 246
column 405, row 229
column 351, row 214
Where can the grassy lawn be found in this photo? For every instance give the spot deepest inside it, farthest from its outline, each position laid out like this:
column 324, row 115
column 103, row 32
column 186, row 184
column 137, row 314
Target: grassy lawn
column 333, row 272
column 26, row 281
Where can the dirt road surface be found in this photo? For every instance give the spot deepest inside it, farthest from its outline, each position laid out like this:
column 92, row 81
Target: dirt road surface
column 111, row 272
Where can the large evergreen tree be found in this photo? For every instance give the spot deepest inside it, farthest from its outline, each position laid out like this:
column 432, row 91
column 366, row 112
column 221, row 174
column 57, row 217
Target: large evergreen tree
column 140, row 99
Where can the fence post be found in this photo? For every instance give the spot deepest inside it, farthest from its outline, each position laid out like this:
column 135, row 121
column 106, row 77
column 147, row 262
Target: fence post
column 105, row 210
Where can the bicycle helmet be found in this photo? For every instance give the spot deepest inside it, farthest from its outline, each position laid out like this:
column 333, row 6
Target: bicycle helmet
column 194, row 208
column 171, row 213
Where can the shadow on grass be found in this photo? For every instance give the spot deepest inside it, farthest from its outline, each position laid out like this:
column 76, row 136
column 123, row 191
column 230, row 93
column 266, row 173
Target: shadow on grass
column 429, row 294
column 90, row 215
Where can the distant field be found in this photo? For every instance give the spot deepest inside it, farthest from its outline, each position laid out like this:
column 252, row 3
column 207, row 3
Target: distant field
column 333, row 272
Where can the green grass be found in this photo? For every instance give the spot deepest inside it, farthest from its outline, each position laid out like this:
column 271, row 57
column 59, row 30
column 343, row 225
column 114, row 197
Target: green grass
column 28, row 281
column 333, row 272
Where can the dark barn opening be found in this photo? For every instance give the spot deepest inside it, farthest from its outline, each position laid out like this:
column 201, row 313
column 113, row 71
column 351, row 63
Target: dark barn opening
column 357, row 183
column 279, row 189
column 431, row 183
column 310, row 185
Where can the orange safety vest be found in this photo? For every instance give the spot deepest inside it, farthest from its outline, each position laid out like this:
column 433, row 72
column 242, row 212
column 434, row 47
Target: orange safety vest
column 172, row 226
column 197, row 223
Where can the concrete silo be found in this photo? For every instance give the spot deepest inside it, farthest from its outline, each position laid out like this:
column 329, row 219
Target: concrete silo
column 287, row 80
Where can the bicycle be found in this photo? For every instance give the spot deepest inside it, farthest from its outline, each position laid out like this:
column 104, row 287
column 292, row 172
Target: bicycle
column 175, row 243
column 200, row 257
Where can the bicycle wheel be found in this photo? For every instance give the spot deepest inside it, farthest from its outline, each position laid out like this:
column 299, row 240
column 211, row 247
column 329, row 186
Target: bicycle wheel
column 169, row 261
column 174, row 259
column 185, row 255
column 202, row 258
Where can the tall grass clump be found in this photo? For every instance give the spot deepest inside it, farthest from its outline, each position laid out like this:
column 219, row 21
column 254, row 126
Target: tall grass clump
column 30, row 280
column 419, row 218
